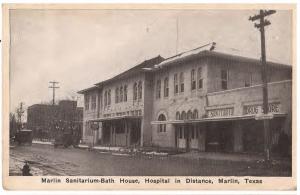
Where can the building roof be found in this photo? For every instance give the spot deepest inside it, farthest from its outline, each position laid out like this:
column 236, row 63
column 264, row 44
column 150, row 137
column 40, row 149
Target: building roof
column 134, row 70
column 208, row 50
column 213, row 50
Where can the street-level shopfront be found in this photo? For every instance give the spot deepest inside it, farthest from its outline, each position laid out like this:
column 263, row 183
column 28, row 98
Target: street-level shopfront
column 117, row 131
column 222, row 131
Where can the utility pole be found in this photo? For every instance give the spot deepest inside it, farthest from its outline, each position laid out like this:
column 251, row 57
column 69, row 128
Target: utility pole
column 53, row 88
column 264, row 71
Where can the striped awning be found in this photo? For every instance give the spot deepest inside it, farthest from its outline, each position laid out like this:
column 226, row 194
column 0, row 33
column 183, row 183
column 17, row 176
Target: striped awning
column 215, row 119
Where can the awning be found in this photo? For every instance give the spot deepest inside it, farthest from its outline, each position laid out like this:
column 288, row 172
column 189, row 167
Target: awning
column 215, row 119
column 114, row 118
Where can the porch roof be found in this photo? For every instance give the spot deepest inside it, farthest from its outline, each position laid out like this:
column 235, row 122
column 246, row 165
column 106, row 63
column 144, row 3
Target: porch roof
column 215, row 119
column 114, row 118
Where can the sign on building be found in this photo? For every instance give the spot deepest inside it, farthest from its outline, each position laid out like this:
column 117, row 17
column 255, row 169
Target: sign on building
column 258, row 109
column 222, row 112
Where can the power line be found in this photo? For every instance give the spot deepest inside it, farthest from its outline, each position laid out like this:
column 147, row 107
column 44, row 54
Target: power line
column 53, row 88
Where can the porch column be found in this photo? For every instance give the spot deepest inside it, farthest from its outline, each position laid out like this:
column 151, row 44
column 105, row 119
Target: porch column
column 238, row 137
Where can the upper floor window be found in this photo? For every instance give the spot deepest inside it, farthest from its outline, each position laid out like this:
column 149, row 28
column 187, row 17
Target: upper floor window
column 175, row 84
column 181, row 82
column 195, row 114
column 121, row 94
column 105, row 98
column 177, row 115
column 158, row 88
column 200, row 78
column 189, row 115
column 125, row 93
column 140, row 90
column 162, row 127
column 166, row 87
column 135, row 91
column 109, row 97
column 193, row 80
column 248, row 80
column 93, row 106
column 183, row 115
column 86, row 102
column 224, row 79
column 117, row 95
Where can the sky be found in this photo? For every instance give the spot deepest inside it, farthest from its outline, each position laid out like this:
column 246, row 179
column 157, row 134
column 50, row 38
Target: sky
column 79, row 48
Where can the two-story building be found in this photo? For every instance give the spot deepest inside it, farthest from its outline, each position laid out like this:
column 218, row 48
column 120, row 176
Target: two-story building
column 202, row 99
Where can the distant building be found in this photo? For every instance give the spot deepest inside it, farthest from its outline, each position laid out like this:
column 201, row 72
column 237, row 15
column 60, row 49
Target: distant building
column 44, row 119
column 203, row 99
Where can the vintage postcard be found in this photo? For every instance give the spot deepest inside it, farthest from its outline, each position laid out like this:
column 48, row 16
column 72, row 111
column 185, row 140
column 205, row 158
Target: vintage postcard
column 149, row 97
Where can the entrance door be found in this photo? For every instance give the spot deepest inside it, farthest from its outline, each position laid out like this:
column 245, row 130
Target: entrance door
column 181, row 137
column 194, row 142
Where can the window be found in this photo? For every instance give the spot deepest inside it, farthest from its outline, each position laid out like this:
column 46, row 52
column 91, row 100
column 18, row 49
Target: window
column 125, row 93
column 105, row 98
column 195, row 114
column 248, row 80
column 117, row 95
column 135, row 91
column 94, row 102
column 183, row 115
column 109, row 97
column 189, row 115
column 193, row 80
column 166, row 87
column 162, row 127
column 200, row 78
column 181, row 82
column 86, row 102
column 224, row 79
column 175, row 84
column 158, row 88
column 121, row 94
column 140, row 90
column 177, row 115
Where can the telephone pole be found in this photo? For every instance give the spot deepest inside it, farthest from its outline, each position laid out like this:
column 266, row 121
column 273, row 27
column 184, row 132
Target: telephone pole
column 264, row 73
column 53, row 88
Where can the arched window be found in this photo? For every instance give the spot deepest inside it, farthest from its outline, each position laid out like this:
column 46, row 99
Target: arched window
column 125, row 93
column 121, row 94
column 117, row 95
column 162, row 127
column 135, row 91
column 195, row 114
column 140, row 90
column 177, row 115
column 183, row 115
column 189, row 115
column 193, row 80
